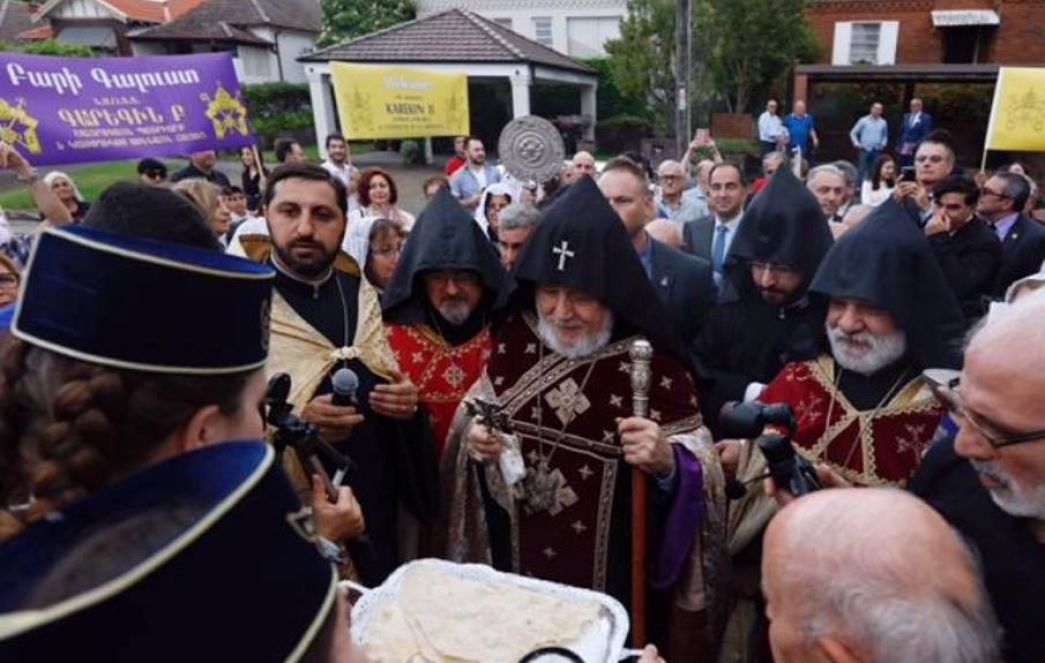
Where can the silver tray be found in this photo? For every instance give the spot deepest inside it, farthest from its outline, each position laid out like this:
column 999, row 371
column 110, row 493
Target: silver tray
column 604, row 643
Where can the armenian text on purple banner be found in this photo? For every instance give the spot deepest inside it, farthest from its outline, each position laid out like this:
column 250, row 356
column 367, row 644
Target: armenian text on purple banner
column 69, row 110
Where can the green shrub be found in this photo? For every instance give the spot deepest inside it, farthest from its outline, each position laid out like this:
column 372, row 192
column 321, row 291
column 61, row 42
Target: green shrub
column 412, row 152
column 622, row 132
column 736, row 148
column 278, row 108
column 48, row 47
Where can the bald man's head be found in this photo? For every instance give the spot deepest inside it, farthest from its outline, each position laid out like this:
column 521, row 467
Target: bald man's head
column 874, row 573
column 584, row 162
column 1001, row 390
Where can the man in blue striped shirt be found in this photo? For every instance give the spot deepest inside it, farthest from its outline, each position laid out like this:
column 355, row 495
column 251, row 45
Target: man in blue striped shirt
column 869, row 135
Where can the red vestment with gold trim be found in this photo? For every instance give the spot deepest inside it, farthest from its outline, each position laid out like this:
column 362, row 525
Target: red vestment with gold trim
column 869, row 448
column 443, row 373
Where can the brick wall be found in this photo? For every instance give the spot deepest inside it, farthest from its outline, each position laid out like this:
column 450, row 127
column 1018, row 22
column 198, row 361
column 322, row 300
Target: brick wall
column 1018, row 40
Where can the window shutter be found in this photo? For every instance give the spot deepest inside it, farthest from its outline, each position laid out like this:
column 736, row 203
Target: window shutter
column 887, row 40
column 843, row 36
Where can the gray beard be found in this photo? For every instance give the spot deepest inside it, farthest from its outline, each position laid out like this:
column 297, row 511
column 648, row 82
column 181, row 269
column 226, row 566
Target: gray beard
column 884, row 350
column 589, row 345
column 455, row 312
column 1012, row 498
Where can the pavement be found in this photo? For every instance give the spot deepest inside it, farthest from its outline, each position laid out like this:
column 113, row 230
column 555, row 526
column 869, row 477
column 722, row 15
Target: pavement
column 408, row 181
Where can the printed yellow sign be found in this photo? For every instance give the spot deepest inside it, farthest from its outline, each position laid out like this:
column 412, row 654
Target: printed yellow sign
column 397, row 102
column 1018, row 113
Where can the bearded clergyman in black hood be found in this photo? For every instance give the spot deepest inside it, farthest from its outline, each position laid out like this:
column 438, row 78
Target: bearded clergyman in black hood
column 765, row 317
column 438, row 307
column 560, row 370
column 862, row 407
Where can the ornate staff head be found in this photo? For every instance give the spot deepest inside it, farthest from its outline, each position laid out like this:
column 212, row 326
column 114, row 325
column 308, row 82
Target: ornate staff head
column 641, row 353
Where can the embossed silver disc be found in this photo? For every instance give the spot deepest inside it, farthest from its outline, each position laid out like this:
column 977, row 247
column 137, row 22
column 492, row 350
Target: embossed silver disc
column 531, row 148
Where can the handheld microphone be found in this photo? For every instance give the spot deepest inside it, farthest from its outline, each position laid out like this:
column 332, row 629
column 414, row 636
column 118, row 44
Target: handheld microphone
column 345, row 383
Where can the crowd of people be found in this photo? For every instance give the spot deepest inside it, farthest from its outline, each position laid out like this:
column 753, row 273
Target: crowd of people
column 884, row 325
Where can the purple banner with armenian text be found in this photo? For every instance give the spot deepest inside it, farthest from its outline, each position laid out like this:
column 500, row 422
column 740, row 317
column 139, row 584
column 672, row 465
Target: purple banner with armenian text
column 69, row 110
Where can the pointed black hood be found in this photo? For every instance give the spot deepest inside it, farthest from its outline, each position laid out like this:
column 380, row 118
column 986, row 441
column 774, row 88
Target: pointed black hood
column 784, row 225
column 582, row 244
column 887, row 262
column 445, row 236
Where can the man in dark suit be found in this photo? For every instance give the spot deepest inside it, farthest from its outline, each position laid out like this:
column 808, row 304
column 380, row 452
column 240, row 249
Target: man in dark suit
column 1002, row 198
column 915, row 126
column 965, row 246
column 684, row 282
column 710, row 237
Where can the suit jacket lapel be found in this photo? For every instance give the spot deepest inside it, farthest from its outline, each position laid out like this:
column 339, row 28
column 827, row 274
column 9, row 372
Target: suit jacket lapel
column 661, row 275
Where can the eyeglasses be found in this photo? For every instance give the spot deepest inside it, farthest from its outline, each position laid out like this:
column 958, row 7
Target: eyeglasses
column 945, row 383
column 670, row 177
column 984, row 191
column 931, row 158
column 156, row 175
column 460, row 277
column 775, row 268
column 388, row 250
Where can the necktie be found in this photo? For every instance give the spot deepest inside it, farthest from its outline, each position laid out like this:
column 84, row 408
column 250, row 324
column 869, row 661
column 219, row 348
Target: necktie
column 718, row 250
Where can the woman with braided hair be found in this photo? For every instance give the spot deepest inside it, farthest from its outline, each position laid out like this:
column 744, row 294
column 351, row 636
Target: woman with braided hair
column 121, row 356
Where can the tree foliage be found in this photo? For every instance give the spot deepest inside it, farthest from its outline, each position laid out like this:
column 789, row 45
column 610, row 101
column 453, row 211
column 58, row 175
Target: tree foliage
column 752, row 43
column 348, row 19
column 642, row 59
column 739, row 49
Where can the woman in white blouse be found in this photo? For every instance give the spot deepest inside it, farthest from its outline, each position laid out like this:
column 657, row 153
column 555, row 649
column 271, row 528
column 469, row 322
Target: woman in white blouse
column 377, row 198
column 879, row 187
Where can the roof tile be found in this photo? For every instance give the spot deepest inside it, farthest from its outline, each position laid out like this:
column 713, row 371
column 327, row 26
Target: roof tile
column 455, row 35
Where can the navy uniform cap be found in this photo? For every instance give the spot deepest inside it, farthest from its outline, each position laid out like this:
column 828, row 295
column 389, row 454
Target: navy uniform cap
column 208, row 556
column 141, row 304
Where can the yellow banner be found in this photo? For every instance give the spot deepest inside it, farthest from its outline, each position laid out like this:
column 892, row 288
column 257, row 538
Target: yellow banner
column 1018, row 114
column 397, row 102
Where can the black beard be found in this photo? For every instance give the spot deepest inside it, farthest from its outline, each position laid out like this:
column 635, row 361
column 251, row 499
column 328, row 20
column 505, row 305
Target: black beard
column 305, row 268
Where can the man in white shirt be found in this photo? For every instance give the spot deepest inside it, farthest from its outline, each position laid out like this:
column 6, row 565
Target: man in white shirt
column 770, row 129
column 339, row 160
column 467, row 183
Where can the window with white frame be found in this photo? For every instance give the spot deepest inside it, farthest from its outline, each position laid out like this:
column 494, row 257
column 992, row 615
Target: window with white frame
column 585, row 36
column 255, row 61
column 542, row 30
column 865, row 42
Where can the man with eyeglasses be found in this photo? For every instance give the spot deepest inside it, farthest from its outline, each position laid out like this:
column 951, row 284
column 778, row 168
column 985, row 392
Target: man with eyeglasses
column 439, row 305
column 1002, row 200
column 764, row 319
column 863, row 407
column 989, row 480
column 673, row 181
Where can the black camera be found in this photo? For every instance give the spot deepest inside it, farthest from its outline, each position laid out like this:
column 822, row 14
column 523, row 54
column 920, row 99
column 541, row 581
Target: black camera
column 789, row 470
column 314, row 453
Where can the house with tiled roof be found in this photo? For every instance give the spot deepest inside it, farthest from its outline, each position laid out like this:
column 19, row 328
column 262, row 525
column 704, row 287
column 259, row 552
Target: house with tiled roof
column 101, row 24
column 577, row 28
column 16, row 17
column 266, row 37
column 460, row 42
